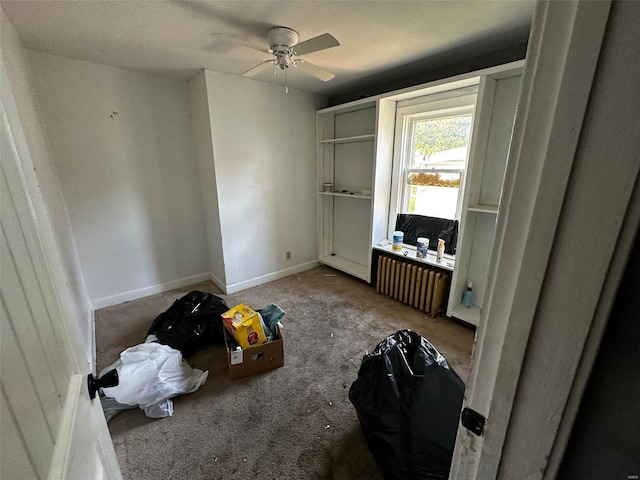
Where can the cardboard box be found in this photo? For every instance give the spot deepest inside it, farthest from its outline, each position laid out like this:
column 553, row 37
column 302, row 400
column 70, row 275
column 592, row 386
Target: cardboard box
column 256, row 359
column 244, row 324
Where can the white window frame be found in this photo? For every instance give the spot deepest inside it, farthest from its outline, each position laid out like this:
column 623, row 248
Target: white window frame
column 456, row 102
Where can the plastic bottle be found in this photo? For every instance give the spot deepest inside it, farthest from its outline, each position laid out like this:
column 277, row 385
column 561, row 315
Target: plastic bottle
column 422, row 247
column 467, row 296
column 440, row 250
column 398, row 238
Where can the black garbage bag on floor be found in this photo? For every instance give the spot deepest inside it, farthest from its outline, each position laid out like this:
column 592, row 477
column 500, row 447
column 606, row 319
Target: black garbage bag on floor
column 408, row 401
column 192, row 322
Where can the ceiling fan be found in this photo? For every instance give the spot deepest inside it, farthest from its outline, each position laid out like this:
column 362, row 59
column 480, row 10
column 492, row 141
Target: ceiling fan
column 283, row 44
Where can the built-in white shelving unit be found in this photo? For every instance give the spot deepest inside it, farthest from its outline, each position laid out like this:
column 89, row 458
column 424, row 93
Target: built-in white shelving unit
column 353, row 149
column 355, row 144
column 494, row 116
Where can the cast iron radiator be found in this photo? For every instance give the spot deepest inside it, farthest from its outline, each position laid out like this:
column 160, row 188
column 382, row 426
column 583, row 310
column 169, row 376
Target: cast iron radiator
column 418, row 285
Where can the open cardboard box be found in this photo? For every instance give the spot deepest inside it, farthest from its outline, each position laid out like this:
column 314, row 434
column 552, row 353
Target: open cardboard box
column 255, row 359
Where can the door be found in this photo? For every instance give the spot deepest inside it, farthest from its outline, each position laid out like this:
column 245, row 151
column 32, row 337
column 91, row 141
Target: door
column 49, row 426
column 572, row 209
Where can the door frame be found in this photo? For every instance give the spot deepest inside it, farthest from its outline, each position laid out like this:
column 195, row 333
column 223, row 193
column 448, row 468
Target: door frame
column 551, row 282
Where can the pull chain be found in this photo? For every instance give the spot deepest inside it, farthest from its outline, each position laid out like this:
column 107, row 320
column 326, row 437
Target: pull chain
column 286, row 87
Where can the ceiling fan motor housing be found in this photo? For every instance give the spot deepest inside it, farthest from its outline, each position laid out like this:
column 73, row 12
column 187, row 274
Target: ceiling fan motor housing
column 281, row 39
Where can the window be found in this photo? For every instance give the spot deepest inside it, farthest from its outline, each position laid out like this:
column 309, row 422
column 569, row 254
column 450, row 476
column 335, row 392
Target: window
column 435, row 163
column 432, row 144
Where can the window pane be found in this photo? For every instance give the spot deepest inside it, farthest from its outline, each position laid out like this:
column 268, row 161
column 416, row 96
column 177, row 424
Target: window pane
column 440, row 142
column 437, row 197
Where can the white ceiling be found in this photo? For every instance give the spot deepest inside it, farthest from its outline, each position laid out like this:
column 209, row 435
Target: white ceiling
column 179, row 38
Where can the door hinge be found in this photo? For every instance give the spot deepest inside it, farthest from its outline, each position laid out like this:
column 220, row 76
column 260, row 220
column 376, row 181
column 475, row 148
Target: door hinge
column 473, row 421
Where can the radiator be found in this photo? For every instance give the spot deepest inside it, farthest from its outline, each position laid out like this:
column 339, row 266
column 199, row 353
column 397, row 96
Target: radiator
column 420, row 286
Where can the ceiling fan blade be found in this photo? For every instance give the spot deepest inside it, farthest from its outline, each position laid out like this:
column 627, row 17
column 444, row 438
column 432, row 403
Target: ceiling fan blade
column 311, row 69
column 321, row 42
column 261, row 67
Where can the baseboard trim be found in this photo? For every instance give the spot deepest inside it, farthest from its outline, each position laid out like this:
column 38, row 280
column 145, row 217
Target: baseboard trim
column 237, row 287
column 146, row 291
column 219, row 283
column 183, row 282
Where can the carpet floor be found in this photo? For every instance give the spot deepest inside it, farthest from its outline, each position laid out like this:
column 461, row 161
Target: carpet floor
column 294, row 422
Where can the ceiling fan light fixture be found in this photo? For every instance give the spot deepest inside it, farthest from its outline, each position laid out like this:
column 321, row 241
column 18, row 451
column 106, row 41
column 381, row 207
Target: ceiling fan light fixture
column 283, row 60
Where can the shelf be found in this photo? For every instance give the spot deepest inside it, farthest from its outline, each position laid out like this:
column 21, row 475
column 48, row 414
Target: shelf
column 496, row 106
column 350, row 195
column 491, row 209
column 347, row 266
column 348, row 217
column 467, row 314
column 357, row 138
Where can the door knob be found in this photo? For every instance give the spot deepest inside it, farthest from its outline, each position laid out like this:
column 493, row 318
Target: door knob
column 109, row 379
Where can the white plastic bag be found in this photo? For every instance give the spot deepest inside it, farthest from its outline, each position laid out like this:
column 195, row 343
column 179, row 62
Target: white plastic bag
column 150, row 374
column 159, row 410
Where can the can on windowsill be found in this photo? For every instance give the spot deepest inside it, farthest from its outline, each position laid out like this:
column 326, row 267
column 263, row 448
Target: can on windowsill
column 422, row 247
column 398, row 238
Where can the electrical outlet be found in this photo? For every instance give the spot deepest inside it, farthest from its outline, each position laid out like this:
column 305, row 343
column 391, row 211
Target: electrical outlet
column 288, row 255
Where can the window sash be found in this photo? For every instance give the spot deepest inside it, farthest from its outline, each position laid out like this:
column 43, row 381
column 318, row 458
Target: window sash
column 408, row 131
column 438, row 105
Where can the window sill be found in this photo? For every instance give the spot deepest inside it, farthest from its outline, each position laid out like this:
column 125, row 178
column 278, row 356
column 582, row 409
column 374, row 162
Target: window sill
column 409, row 251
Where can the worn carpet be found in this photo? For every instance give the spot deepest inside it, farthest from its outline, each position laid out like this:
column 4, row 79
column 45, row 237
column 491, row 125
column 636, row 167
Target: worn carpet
column 295, row 422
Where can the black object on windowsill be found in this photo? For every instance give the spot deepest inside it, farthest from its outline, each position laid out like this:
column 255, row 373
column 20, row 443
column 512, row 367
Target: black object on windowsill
column 433, row 228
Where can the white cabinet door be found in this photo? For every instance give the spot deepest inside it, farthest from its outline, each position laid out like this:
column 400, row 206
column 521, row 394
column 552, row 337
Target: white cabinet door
column 50, row 428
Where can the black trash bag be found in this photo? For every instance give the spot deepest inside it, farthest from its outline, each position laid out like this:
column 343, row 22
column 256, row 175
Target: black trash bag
column 408, row 400
column 192, row 322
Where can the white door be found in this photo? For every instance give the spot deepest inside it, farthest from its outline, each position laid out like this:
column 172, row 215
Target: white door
column 49, row 427
column 569, row 215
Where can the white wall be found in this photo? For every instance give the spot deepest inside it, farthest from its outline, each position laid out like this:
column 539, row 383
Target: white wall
column 156, row 200
column 123, row 146
column 264, row 154
column 206, row 168
column 25, row 119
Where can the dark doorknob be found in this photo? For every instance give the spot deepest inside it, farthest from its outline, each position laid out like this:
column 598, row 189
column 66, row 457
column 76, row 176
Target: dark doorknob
column 109, row 379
